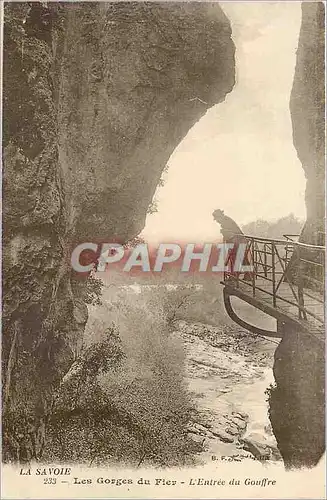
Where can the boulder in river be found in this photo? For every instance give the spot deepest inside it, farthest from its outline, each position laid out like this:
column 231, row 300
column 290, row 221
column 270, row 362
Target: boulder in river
column 222, row 435
column 257, row 445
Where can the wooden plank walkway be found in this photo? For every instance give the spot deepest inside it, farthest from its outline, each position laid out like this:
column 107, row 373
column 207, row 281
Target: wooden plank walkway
column 285, row 307
column 276, row 265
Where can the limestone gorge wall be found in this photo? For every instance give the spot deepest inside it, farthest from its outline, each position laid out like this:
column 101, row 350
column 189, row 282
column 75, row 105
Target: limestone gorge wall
column 307, row 105
column 96, row 98
column 297, row 405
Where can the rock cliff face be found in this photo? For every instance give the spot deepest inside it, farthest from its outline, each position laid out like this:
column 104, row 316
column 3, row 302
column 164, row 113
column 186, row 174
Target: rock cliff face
column 96, row 98
column 308, row 115
column 297, row 404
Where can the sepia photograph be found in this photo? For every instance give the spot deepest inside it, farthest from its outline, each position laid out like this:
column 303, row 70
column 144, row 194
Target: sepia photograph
column 163, row 249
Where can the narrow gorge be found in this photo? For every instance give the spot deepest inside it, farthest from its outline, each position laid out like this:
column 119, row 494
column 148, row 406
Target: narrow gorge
column 96, row 98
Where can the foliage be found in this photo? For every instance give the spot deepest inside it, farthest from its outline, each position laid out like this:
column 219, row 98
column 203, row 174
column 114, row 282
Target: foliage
column 153, row 207
column 274, row 229
column 269, row 391
column 137, row 240
column 93, row 290
column 124, row 400
column 163, row 178
column 172, row 301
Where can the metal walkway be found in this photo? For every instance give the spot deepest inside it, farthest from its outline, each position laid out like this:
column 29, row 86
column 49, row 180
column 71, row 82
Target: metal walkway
column 286, row 282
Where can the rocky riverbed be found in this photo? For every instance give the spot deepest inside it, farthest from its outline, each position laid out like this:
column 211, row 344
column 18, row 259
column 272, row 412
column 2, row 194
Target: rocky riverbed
column 228, row 371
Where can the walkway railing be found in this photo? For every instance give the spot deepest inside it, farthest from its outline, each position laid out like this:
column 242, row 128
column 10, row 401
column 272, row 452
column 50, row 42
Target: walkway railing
column 286, row 274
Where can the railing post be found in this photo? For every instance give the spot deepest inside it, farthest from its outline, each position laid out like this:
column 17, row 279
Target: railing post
column 299, row 267
column 226, row 260
column 254, row 259
column 237, row 273
column 273, row 270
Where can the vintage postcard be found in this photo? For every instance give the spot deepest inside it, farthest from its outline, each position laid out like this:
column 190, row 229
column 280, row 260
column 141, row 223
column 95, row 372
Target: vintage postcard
column 163, row 245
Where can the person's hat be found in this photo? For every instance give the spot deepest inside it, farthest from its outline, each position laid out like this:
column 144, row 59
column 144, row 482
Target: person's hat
column 217, row 212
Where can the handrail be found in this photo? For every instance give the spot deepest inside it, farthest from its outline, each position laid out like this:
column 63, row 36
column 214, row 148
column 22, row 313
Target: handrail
column 290, row 236
column 286, row 275
column 282, row 242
